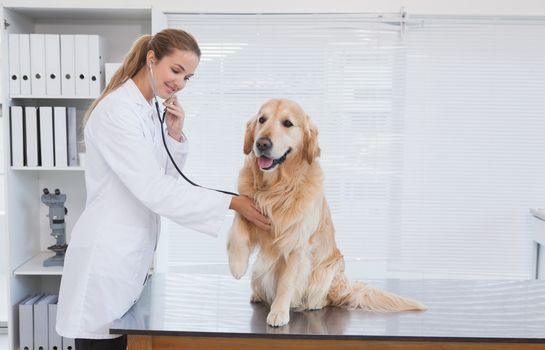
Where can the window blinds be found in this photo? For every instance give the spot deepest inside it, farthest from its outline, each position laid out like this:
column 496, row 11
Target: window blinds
column 430, row 133
column 474, row 134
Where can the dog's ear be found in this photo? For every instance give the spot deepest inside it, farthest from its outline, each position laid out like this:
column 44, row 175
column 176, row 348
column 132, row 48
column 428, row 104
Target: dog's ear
column 310, row 142
column 249, row 135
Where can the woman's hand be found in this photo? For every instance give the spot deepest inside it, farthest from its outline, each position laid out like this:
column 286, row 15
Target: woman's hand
column 247, row 208
column 174, row 118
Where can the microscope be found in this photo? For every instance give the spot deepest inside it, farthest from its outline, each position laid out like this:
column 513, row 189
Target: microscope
column 57, row 211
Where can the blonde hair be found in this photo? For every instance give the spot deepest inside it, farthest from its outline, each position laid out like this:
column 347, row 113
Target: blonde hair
column 162, row 44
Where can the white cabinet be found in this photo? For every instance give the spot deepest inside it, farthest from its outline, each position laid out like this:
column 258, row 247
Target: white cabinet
column 26, row 224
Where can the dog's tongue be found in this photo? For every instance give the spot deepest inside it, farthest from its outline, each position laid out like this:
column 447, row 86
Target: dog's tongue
column 264, row 162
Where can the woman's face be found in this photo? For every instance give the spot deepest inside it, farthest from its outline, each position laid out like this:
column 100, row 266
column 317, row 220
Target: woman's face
column 172, row 72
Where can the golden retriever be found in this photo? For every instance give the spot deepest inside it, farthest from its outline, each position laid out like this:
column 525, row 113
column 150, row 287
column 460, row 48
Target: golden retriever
column 298, row 264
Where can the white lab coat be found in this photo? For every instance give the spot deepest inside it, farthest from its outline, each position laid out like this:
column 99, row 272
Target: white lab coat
column 130, row 183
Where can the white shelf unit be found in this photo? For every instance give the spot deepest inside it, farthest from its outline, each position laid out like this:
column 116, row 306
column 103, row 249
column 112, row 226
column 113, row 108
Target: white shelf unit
column 26, row 224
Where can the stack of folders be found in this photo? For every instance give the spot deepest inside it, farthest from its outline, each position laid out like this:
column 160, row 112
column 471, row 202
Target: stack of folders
column 55, row 65
column 43, row 136
column 37, row 319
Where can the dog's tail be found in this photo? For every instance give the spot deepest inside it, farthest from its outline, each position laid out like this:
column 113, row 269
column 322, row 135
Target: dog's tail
column 358, row 295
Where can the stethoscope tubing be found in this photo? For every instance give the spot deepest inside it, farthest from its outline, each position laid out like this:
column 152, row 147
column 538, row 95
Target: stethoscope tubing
column 162, row 122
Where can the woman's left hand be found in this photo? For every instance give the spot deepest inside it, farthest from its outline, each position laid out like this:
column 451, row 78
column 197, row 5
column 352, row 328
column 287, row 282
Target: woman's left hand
column 174, row 118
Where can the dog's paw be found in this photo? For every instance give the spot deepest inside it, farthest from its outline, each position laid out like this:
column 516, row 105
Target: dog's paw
column 238, row 266
column 278, row 318
column 315, row 306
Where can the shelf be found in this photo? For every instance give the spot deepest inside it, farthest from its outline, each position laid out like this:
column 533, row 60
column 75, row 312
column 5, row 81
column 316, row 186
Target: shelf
column 43, row 97
column 34, row 266
column 32, row 168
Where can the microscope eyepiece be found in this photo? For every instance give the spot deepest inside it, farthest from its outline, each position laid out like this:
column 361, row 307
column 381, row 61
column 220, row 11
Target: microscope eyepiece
column 46, row 191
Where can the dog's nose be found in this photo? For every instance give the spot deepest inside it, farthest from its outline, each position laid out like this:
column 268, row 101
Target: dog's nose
column 263, row 144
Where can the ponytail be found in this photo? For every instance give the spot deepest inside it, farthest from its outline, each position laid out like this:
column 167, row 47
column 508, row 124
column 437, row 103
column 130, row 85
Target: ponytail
column 162, row 44
column 135, row 59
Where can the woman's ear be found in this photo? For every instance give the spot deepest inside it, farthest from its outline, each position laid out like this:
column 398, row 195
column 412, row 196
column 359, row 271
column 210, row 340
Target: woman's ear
column 249, row 135
column 150, row 57
column 310, row 142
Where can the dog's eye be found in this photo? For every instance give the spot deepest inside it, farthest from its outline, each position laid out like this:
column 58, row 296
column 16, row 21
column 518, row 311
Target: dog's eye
column 262, row 120
column 287, row 124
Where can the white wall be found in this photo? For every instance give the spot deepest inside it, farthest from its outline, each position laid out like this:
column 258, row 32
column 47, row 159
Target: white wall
column 444, row 7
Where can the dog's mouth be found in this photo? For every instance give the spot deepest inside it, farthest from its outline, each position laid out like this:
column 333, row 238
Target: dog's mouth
column 266, row 163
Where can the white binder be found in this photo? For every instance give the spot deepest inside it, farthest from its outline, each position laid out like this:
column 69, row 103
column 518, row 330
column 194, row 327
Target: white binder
column 81, row 45
column 26, row 322
column 41, row 321
column 55, row 340
column 72, row 128
column 68, row 85
column 17, row 136
column 31, row 136
column 37, row 64
column 14, row 66
column 24, row 64
column 46, row 136
column 52, row 65
column 96, row 65
column 109, row 71
column 61, row 143
column 68, row 344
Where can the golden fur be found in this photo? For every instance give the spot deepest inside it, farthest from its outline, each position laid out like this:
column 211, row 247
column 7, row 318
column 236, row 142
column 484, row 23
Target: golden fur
column 298, row 264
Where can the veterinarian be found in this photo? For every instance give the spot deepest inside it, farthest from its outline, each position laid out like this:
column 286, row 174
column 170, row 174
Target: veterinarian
column 131, row 183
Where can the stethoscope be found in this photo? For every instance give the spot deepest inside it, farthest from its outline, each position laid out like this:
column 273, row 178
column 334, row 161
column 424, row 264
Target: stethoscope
column 162, row 121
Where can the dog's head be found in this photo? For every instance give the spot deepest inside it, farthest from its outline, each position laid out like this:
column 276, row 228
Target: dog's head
column 281, row 131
